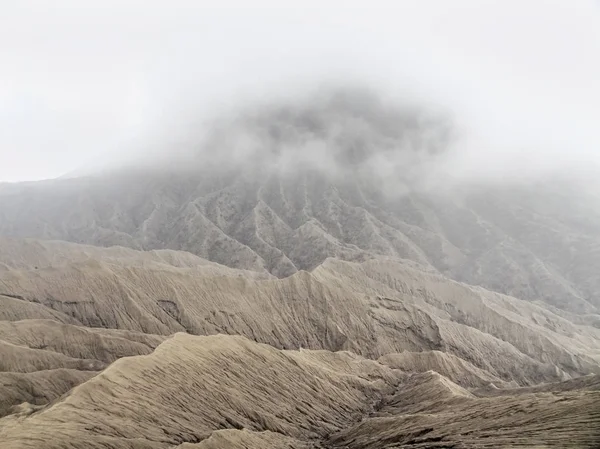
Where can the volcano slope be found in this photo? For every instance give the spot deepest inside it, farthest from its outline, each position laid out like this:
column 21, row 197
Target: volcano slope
column 306, row 279
column 380, row 353
column 344, row 174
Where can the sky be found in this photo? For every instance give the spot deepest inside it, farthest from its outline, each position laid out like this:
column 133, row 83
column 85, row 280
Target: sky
column 83, row 83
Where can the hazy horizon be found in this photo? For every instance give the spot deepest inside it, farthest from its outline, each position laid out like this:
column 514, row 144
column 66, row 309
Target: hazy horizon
column 89, row 86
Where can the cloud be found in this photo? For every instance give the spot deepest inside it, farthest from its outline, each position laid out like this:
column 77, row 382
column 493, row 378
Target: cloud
column 87, row 84
column 344, row 133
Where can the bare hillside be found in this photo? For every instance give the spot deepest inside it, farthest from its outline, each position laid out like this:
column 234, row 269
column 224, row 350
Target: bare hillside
column 345, row 175
column 310, row 277
column 85, row 337
column 192, row 388
column 372, row 308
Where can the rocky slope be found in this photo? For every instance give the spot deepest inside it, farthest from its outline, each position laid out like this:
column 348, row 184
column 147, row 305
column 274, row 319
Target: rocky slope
column 281, row 226
column 308, row 279
column 212, row 384
column 283, row 187
column 71, row 311
column 371, row 308
column 191, row 389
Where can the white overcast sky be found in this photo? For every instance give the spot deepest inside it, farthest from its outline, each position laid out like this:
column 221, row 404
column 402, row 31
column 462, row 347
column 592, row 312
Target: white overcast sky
column 83, row 81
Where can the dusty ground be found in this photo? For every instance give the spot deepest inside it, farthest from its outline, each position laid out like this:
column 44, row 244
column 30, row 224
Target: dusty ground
column 382, row 353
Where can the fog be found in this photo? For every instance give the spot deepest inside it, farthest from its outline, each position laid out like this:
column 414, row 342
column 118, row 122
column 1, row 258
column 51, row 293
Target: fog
column 505, row 90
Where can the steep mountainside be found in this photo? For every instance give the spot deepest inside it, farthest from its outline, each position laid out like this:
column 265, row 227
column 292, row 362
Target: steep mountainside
column 496, row 239
column 192, row 388
column 309, row 278
column 345, row 174
column 86, row 352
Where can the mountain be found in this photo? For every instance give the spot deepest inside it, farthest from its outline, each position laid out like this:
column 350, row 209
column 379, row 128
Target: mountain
column 535, row 243
column 307, row 277
column 103, row 319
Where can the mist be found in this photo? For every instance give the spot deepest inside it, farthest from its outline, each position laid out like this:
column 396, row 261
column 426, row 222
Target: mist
column 495, row 92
